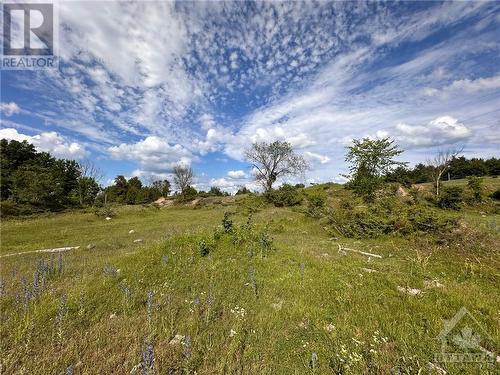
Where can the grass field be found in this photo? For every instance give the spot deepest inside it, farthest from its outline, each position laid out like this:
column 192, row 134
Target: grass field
column 275, row 296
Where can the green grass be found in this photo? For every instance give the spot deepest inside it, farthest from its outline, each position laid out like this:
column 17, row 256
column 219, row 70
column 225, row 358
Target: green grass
column 301, row 300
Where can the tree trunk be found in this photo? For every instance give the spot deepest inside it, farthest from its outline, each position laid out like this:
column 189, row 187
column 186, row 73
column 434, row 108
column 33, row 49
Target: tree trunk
column 437, row 182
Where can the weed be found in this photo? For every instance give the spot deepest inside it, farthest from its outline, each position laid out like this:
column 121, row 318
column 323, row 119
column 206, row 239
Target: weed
column 205, row 247
column 227, row 223
column 62, row 310
column 149, row 306
column 110, row 270
column 265, row 242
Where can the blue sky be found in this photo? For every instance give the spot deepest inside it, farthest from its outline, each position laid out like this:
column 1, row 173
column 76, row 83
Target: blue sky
column 143, row 86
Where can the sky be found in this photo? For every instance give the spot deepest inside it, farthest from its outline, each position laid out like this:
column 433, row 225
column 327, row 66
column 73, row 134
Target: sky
column 143, row 86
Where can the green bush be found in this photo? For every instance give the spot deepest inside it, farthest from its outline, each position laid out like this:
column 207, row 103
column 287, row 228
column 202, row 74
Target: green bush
column 451, row 197
column 105, row 212
column 475, row 185
column 388, row 216
column 251, row 203
column 227, row 223
column 496, row 195
column 286, row 196
column 205, row 247
column 316, row 203
column 187, row 195
column 11, row 208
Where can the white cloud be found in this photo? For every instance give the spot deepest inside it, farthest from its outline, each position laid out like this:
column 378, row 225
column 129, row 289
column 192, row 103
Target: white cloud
column 231, row 185
column 443, row 130
column 466, row 86
column 155, row 155
column 175, row 70
column 9, row 109
column 50, row 142
column 236, row 174
column 311, row 156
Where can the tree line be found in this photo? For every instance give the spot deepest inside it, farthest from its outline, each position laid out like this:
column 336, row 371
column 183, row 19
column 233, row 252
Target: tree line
column 33, row 181
column 458, row 167
column 37, row 180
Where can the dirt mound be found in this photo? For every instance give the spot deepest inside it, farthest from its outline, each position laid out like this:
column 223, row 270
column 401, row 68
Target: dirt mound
column 401, row 192
column 164, row 202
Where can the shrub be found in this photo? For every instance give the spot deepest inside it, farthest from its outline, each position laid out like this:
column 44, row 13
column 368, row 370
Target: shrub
column 389, row 216
column 227, row 223
column 251, row 203
column 286, row 196
column 105, row 212
column 187, row 195
column 475, row 184
column 205, row 247
column 451, row 197
column 315, row 204
column 11, row 208
column 496, row 195
column 243, row 190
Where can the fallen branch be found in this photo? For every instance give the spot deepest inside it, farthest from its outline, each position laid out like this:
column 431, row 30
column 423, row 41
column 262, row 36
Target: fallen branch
column 341, row 248
column 55, row 250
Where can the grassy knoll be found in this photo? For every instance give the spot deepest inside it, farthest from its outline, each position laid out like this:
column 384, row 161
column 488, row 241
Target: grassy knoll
column 273, row 296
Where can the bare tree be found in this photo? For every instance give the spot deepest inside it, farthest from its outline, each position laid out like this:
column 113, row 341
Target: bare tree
column 88, row 182
column 440, row 164
column 271, row 161
column 183, row 177
column 87, row 168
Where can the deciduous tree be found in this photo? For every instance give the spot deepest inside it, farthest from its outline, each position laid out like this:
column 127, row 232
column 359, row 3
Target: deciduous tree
column 370, row 160
column 274, row 160
column 183, row 177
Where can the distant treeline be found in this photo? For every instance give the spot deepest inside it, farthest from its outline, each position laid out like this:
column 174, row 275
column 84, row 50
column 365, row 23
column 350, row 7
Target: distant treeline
column 33, row 181
column 460, row 167
column 132, row 191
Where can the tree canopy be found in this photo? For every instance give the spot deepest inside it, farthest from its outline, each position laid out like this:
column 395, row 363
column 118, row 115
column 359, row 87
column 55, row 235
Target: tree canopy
column 370, row 160
column 183, row 177
column 274, row 160
column 38, row 179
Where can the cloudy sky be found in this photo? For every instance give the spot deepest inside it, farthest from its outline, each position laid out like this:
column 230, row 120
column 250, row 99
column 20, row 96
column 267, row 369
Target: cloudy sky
column 142, row 86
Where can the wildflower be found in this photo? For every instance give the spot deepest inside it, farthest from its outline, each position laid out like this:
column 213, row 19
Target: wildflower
column 148, row 360
column 240, row 312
